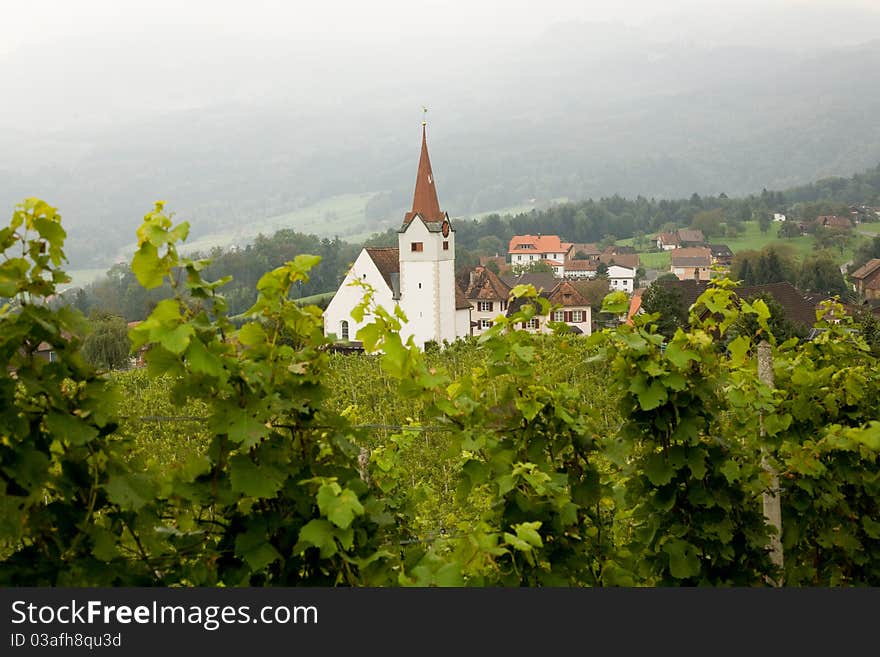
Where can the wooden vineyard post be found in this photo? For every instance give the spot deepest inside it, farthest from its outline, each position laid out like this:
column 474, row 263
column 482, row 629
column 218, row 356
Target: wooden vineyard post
column 771, row 497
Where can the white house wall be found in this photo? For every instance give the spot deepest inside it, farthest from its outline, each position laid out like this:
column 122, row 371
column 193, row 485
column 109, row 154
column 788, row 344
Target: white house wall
column 477, row 315
column 621, row 278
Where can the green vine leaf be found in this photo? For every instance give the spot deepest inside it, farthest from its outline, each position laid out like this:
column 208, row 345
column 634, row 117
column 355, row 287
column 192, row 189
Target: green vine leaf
column 252, row 480
column 317, row 533
column 684, row 561
column 341, row 506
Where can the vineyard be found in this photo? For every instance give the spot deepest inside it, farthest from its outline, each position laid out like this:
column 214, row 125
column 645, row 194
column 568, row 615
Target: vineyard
column 253, row 455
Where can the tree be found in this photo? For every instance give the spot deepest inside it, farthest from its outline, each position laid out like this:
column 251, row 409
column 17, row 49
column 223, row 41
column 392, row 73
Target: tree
column 764, row 222
column 869, row 326
column 491, row 245
column 607, row 240
column 732, row 228
column 770, row 265
column 107, row 346
column 709, row 221
column 666, row 299
column 828, row 238
column 820, row 273
column 789, row 229
column 640, row 240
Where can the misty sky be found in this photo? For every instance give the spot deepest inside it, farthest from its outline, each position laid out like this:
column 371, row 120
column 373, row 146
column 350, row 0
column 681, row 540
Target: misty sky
column 74, row 64
column 47, row 21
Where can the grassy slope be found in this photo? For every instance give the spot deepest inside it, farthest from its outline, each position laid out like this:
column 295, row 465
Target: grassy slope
column 342, row 216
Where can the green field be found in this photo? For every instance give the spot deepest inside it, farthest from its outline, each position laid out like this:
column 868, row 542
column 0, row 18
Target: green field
column 752, row 239
column 658, row 260
column 338, row 216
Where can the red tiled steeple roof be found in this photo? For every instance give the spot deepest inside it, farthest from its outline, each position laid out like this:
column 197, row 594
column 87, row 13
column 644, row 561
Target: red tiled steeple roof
column 425, row 201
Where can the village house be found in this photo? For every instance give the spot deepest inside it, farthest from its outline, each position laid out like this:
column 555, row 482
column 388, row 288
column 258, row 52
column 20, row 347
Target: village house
column 500, row 262
column 630, row 260
column 578, row 269
column 866, row 279
column 418, row 275
column 833, row 221
column 688, row 237
column 621, row 278
column 692, row 263
column 721, row 255
column 680, row 239
column 557, row 267
column 620, row 261
column 541, row 281
column 488, row 296
column 524, row 250
column 578, row 252
column 568, row 306
column 617, row 249
column 667, row 241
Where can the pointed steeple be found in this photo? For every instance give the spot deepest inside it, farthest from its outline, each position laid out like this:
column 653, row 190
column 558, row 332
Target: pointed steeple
column 425, row 201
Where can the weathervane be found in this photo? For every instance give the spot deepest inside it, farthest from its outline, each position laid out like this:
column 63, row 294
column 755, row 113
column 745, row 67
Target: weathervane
column 425, row 116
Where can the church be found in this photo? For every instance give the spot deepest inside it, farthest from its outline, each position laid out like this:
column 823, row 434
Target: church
column 418, row 274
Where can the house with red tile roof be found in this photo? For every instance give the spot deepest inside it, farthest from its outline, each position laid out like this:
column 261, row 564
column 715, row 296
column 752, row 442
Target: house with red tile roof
column 524, row 250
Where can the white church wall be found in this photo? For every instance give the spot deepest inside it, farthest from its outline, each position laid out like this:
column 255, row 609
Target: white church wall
column 348, row 296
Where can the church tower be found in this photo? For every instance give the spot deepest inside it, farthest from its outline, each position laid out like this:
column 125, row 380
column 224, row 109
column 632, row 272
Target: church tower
column 426, row 242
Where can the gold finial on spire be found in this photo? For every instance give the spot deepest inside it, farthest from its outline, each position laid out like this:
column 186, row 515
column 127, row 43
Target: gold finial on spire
column 425, row 115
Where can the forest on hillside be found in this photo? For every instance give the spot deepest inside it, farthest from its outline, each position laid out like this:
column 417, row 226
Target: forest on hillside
column 604, row 220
